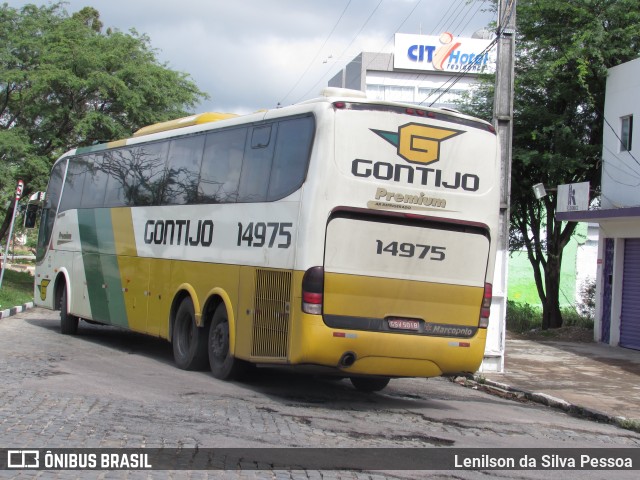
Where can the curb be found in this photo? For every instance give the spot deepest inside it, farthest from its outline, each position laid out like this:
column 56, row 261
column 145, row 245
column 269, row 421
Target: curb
column 13, row 311
column 478, row 382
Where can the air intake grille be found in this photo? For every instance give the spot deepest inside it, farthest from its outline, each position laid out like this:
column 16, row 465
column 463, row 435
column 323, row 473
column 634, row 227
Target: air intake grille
column 271, row 314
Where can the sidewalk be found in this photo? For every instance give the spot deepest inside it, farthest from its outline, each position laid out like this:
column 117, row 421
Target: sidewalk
column 590, row 379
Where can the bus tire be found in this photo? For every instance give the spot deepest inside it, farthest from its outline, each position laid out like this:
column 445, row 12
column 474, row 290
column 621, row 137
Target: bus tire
column 189, row 341
column 369, row 384
column 68, row 322
column 224, row 365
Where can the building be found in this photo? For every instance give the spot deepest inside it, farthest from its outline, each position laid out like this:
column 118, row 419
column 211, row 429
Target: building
column 422, row 69
column 435, row 71
column 617, row 319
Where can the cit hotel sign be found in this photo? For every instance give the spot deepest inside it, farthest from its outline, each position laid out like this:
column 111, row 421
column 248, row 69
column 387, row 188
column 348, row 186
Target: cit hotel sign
column 445, row 53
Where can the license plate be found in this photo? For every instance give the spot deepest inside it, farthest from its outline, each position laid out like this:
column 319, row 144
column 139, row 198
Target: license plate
column 401, row 324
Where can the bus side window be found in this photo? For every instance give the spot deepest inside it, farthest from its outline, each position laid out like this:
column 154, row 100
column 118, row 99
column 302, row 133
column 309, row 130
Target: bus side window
column 72, row 193
column 50, row 208
column 116, row 164
column 291, row 159
column 261, row 136
column 148, row 164
column 95, row 184
column 221, row 166
column 183, row 170
column 256, row 166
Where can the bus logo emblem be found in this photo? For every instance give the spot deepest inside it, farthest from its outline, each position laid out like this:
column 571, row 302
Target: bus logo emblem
column 43, row 289
column 417, row 143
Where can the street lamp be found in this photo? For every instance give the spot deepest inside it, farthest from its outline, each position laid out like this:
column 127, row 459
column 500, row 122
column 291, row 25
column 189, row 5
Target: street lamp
column 539, row 191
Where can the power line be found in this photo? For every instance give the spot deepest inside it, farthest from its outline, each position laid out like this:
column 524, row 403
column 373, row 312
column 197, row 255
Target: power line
column 480, row 5
column 317, row 54
column 444, row 21
column 346, row 49
column 393, row 34
column 456, row 78
column 460, row 74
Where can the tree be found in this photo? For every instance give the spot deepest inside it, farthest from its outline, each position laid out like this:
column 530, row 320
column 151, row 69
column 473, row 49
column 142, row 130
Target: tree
column 563, row 52
column 66, row 83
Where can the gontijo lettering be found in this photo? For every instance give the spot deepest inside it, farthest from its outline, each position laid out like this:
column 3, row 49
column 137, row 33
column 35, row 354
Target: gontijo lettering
column 182, row 232
column 414, row 175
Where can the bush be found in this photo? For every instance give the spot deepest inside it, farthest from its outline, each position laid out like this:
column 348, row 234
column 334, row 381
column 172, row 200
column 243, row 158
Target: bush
column 522, row 317
column 573, row 318
column 587, row 305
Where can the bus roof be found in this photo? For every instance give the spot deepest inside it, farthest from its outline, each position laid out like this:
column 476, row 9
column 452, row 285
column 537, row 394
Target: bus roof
column 327, row 95
column 184, row 122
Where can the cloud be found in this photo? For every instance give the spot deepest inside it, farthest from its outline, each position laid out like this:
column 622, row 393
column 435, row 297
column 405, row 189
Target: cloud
column 252, row 54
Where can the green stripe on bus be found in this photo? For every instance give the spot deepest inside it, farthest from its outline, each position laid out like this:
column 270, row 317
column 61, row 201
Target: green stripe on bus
column 104, row 284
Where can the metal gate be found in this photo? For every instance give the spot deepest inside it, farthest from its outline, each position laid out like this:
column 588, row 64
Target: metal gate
column 607, row 281
column 630, row 317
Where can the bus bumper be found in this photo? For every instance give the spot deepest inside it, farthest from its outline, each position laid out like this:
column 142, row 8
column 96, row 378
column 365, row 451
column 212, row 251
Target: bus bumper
column 383, row 353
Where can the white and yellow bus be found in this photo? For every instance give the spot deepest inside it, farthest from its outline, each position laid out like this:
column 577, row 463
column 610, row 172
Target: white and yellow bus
column 340, row 232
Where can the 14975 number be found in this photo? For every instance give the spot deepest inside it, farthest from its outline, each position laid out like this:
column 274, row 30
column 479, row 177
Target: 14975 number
column 263, row 234
column 409, row 250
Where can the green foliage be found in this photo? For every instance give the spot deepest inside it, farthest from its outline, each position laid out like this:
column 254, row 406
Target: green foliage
column 522, row 317
column 563, row 51
column 588, row 296
column 573, row 318
column 66, row 83
column 17, row 289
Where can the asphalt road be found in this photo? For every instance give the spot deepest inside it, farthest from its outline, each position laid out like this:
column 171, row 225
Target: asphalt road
column 108, row 388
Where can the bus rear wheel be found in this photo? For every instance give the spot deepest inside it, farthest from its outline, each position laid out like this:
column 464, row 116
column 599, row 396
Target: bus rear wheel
column 224, row 365
column 369, row 384
column 189, row 340
column 68, row 322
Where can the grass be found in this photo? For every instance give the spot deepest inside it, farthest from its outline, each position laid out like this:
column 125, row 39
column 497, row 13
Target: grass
column 17, row 289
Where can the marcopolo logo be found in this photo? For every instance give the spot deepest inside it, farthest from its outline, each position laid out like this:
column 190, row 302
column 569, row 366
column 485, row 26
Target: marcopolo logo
column 418, row 143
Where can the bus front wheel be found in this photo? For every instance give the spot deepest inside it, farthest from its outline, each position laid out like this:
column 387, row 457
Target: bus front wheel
column 68, row 322
column 189, row 340
column 223, row 364
column 369, row 384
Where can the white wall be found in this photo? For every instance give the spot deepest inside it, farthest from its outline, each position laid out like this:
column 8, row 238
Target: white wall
column 621, row 170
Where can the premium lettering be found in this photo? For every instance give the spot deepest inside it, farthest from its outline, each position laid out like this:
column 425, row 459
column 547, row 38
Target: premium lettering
column 422, row 199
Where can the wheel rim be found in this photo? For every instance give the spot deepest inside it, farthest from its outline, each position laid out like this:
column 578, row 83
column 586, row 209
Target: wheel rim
column 185, row 334
column 220, row 341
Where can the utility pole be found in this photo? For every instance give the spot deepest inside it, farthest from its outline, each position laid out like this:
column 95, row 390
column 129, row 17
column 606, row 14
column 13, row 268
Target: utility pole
column 503, row 123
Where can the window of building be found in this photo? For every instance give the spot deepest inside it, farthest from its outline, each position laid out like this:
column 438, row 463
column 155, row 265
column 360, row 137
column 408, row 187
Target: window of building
column 395, row 93
column 626, row 133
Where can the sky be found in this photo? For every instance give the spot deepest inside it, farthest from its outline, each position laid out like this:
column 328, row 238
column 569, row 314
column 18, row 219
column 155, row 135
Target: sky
column 255, row 54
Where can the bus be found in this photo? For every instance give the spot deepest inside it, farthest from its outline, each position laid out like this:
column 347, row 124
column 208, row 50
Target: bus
column 352, row 236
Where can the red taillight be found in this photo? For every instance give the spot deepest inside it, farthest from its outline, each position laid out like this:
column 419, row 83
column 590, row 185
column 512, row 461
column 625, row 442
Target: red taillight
column 312, row 288
column 339, row 105
column 414, row 111
column 485, row 310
